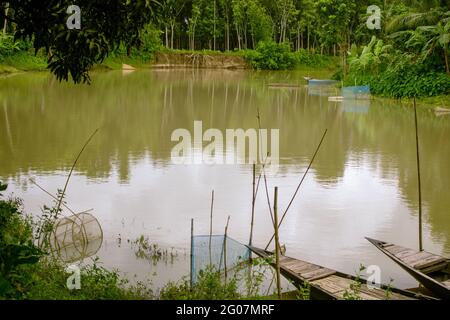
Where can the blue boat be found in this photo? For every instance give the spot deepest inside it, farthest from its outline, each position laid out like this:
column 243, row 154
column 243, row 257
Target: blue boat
column 356, row 92
column 321, row 82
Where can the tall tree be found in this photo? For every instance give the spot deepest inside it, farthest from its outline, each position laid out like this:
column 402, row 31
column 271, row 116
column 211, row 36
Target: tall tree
column 72, row 52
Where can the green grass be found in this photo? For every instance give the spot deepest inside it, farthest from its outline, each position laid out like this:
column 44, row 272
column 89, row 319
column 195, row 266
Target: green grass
column 115, row 62
column 24, row 61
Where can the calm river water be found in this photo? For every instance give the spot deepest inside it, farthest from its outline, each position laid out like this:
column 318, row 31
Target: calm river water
column 363, row 182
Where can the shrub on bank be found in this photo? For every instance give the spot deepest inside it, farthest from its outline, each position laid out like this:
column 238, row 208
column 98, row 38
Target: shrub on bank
column 270, row 55
column 396, row 74
column 27, row 272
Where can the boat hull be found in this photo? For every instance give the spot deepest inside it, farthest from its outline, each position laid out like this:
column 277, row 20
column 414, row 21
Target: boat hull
column 434, row 286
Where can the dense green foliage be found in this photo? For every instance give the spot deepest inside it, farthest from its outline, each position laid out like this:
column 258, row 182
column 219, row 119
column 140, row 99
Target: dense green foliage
column 210, row 286
column 270, row 55
column 72, row 52
column 409, row 56
column 409, row 59
column 16, row 246
column 26, row 272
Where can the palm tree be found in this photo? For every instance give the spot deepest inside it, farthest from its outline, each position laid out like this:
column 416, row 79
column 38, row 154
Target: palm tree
column 412, row 20
column 438, row 36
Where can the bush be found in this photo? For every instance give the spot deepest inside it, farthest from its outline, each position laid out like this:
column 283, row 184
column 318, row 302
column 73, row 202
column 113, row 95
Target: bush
column 304, row 58
column 16, row 246
column 7, row 45
column 26, row 272
column 209, row 287
column 270, row 55
column 396, row 74
column 403, row 81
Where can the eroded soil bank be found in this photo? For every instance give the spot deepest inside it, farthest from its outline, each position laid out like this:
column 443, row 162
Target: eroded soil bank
column 199, row 60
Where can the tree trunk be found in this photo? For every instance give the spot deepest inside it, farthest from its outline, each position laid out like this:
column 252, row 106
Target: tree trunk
column 446, row 60
column 227, row 31
column 238, row 36
column 6, row 20
column 214, row 35
column 245, row 38
column 307, row 41
column 167, row 36
column 172, row 27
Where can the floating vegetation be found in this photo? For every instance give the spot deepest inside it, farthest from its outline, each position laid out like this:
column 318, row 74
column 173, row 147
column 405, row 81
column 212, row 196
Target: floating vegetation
column 153, row 252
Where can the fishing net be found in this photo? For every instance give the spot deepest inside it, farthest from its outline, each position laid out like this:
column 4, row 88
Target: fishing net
column 356, row 106
column 217, row 251
column 358, row 92
column 76, row 237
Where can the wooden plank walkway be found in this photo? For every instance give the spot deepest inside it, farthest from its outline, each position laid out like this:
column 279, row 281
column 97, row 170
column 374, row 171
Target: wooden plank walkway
column 420, row 260
column 329, row 280
column 332, row 284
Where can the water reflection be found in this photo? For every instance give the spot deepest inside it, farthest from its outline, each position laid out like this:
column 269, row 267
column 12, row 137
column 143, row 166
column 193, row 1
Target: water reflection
column 363, row 182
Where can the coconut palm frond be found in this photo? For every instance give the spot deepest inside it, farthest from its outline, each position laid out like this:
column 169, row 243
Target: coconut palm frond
column 414, row 20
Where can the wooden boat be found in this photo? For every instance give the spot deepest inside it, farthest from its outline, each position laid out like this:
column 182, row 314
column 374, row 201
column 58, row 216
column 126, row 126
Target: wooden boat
column 431, row 270
column 336, row 99
column 331, row 284
column 127, row 67
column 321, row 82
column 441, row 110
column 284, row 85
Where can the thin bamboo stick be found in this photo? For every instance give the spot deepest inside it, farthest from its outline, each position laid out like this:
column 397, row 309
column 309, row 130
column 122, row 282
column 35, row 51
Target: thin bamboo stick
column 225, row 249
column 192, row 255
column 418, row 177
column 299, row 185
column 71, row 170
column 210, row 226
column 277, row 242
column 253, row 204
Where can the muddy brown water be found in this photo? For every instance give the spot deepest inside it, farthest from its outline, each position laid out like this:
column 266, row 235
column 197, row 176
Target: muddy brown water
column 363, row 182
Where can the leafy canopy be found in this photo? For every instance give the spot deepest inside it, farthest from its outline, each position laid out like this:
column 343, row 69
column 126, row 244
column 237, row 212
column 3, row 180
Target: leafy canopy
column 104, row 26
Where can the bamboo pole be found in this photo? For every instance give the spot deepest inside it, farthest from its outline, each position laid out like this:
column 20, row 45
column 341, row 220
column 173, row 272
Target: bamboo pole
column 299, row 185
column 225, row 249
column 192, row 254
column 277, row 242
column 418, row 177
column 210, row 226
column 61, row 197
column 253, row 204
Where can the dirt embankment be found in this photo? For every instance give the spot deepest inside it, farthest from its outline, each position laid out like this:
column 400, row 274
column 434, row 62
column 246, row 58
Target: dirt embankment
column 199, row 60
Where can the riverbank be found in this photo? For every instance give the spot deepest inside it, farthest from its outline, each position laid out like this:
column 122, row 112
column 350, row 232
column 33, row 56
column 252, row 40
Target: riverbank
column 166, row 59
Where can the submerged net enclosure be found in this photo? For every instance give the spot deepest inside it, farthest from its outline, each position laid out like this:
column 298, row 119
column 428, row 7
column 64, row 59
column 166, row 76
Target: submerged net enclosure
column 76, row 237
column 219, row 251
column 356, row 92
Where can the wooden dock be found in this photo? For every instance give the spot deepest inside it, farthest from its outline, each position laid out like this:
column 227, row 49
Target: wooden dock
column 331, row 284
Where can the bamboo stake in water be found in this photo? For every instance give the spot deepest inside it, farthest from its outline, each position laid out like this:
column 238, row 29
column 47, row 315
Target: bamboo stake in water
column 418, row 177
column 61, row 197
column 210, row 226
column 277, row 242
column 253, row 204
column 192, row 253
column 299, row 185
column 225, row 249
